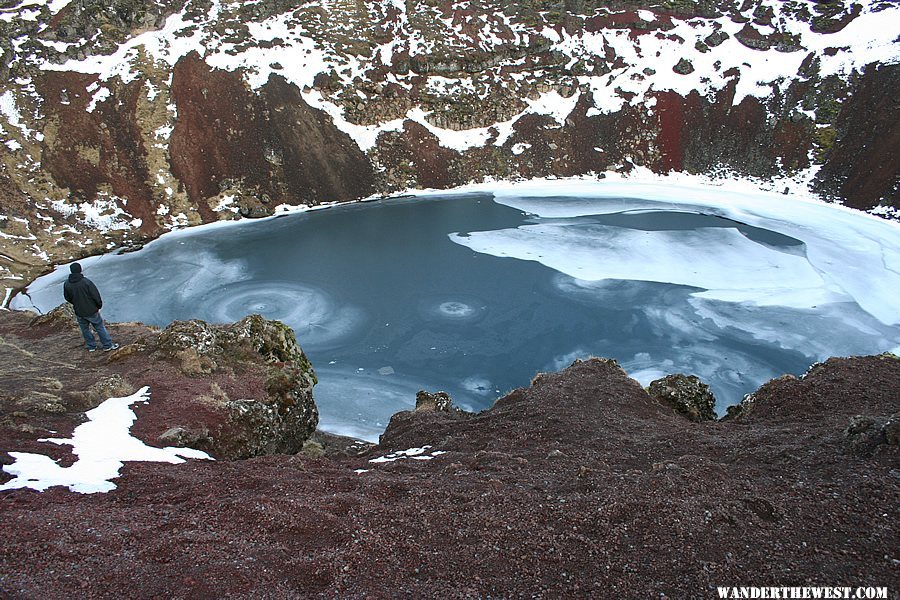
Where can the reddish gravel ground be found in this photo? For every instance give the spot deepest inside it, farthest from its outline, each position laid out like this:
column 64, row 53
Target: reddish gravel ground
column 579, row 486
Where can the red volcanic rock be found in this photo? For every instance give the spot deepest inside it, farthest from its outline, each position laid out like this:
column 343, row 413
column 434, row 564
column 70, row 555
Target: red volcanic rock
column 419, row 154
column 104, row 147
column 628, row 20
column 277, row 147
column 578, row 486
column 858, row 168
column 216, row 136
column 698, row 135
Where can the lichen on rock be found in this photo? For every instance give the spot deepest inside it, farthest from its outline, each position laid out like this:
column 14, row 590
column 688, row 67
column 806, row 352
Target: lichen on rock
column 113, row 386
column 865, row 434
column 278, row 422
column 61, row 316
column 438, row 401
column 687, row 395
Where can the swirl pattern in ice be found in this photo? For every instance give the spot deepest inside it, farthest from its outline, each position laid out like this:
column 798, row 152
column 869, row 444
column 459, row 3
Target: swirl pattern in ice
column 458, row 308
column 314, row 315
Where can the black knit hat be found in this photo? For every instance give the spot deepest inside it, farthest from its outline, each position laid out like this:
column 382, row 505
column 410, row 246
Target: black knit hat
column 75, row 268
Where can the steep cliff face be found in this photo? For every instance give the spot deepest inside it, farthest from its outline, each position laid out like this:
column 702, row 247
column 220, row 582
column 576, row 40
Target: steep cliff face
column 864, row 163
column 96, row 151
column 122, row 121
column 271, row 147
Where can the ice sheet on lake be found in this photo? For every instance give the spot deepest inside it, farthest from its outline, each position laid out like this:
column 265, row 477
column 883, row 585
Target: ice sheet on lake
column 719, row 260
column 359, row 404
column 854, row 253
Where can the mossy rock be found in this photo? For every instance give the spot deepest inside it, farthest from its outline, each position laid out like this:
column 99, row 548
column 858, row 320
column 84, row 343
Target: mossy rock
column 825, row 138
column 282, row 417
column 687, row 395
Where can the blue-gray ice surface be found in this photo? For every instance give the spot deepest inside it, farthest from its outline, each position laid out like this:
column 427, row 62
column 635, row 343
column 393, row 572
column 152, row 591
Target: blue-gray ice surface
column 474, row 293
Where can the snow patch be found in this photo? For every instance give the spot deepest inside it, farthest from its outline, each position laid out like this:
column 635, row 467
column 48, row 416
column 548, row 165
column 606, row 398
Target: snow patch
column 227, row 203
column 10, row 110
column 99, row 96
column 101, row 214
column 411, row 453
column 520, row 148
column 102, row 445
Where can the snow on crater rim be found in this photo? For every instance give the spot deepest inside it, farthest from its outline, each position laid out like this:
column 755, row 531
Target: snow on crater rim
column 101, row 444
column 868, row 38
column 410, row 453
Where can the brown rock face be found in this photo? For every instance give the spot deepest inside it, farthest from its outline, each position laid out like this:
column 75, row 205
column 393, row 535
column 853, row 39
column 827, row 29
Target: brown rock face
column 273, row 146
column 415, row 158
column 216, row 137
column 699, row 136
column 315, row 161
column 864, row 164
column 99, row 150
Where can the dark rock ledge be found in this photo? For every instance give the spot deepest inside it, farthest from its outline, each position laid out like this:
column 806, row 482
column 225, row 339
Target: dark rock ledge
column 234, row 391
column 581, row 485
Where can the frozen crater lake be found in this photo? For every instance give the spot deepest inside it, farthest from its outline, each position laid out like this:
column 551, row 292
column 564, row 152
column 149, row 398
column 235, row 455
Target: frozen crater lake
column 473, row 293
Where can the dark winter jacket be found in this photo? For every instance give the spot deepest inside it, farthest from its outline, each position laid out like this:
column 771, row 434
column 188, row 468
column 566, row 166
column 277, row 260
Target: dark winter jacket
column 83, row 295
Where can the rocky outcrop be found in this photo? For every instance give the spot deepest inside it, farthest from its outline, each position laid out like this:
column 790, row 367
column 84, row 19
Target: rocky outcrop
column 434, row 408
column 864, row 434
column 439, row 401
column 280, row 422
column 687, row 395
column 234, row 391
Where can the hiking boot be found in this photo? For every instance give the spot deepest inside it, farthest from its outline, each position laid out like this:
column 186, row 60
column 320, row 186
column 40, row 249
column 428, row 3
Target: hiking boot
column 113, row 347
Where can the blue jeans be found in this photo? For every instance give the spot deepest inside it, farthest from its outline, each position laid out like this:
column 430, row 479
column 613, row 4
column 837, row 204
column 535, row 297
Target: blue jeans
column 85, row 323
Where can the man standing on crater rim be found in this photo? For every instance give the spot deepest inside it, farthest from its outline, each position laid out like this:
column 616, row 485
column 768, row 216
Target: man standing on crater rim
column 84, row 297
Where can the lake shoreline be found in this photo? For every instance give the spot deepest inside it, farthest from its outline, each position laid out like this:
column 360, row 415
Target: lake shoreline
column 706, row 282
